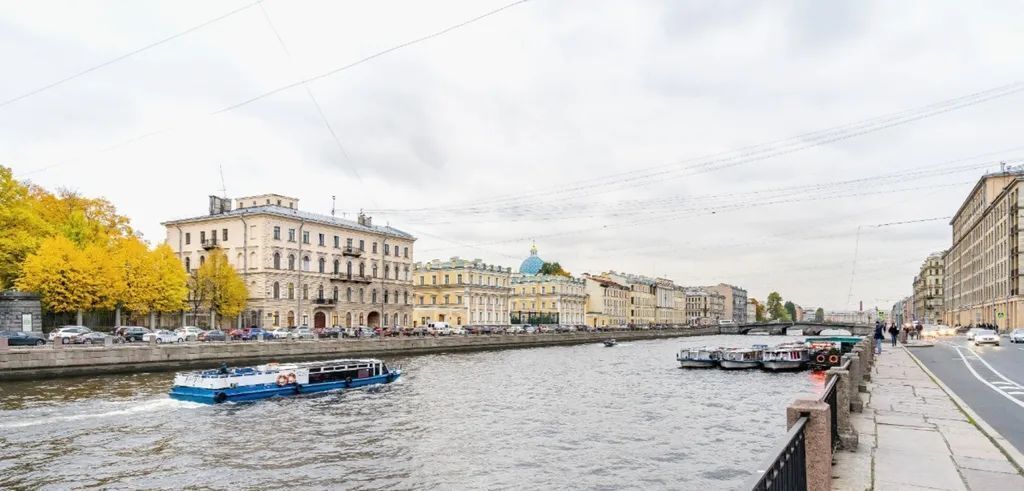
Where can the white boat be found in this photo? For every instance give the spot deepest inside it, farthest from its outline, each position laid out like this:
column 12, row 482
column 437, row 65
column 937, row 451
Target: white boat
column 792, row 356
column 740, row 358
column 698, row 357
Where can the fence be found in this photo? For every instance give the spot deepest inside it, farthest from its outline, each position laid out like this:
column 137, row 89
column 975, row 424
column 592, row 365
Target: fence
column 787, row 468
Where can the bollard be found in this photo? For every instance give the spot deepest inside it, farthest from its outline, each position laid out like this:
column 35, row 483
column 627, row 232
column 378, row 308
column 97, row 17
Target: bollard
column 818, row 443
column 3, row 345
column 862, row 368
column 847, row 436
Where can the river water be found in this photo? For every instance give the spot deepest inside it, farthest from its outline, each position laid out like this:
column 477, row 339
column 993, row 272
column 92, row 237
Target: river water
column 577, row 417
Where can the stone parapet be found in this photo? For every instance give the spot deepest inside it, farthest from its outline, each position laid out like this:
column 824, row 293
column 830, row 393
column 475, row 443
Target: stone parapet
column 818, row 441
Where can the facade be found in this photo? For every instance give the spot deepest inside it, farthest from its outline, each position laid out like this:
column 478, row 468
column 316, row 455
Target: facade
column 928, row 290
column 20, row 311
column 303, row 268
column 981, row 281
column 461, row 292
column 735, row 302
column 607, row 302
column 642, row 298
column 666, row 311
column 901, row 310
column 704, row 306
column 751, row 311
column 548, row 299
column 851, row 316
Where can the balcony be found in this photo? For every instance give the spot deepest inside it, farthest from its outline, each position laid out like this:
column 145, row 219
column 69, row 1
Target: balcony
column 324, row 301
column 352, row 251
column 354, row 278
column 210, row 244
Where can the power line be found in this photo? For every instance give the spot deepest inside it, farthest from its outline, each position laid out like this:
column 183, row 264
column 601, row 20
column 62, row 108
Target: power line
column 303, row 81
column 128, row 54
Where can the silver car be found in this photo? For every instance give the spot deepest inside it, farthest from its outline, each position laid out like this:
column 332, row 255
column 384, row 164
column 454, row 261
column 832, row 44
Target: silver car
column 986, row 336
column 1017, row 336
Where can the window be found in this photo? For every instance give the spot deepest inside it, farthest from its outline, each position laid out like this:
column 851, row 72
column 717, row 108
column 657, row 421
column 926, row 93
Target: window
column 277, row 233
column 433, row 279
column 277, row 290
column 291, row 261
column 305, row 263
column 202, row 237
column 321, row 239
column 348, row 268
column 305, row 292
column 458, row 278
column 348, row 243
column 202, row 261
column 337, row 242
column 224, row 234
column 337, row 266
column 335, row 297
column 291, row 235
column 348, row 294
column 360, row 295
column 405, row 298
column 188, row 265
column 373, row 296
column 386, row 296
column 406, row 252
column 446, row 281
column 374, row 248
column 374, row 270
column 320, row 292
column 362, row 269
column 305, row 237
column 277, row 260
column 277, row 318
column 422, row 279
column 433, row 299
column 458, row 299
column 446, row 299
column 387, row 271
column 421, row 299
column 362, row 245
column 188, row 238
column 323, row 265
column 387, row 249
column 291, row 291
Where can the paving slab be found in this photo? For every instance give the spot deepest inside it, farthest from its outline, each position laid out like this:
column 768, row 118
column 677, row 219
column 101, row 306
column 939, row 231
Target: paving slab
column 994, row 481
column 990, row 465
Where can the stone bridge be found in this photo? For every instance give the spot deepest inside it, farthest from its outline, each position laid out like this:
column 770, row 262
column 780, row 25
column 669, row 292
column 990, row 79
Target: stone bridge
column 809, row 328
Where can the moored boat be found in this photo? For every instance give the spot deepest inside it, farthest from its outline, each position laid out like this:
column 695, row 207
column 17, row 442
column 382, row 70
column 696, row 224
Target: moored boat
column 279, row 380
column 698, row 357
column 740, row 358
column 791, row 356
column 610, row 342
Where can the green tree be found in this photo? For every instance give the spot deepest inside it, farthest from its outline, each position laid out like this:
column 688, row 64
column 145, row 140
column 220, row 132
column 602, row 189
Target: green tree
column 776, row 311
column 553, row 269
column 758, row 311
column 790, row 310
column 819, row 315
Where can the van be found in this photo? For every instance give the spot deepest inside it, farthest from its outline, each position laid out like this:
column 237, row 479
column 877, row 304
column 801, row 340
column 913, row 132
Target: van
column 440, row 328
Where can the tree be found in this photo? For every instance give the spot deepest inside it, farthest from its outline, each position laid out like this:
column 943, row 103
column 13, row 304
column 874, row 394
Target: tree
column 553, row 269
column 135, row 278
column 819, row 315
column 23, row 228
column 217, row 286
column 171, row 287
column 776, row 312
column 790, row 310
column 759, row 313
column 68, row 279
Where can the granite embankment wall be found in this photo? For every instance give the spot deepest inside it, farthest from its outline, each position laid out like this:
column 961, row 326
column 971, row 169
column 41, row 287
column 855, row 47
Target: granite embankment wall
column 62, row 361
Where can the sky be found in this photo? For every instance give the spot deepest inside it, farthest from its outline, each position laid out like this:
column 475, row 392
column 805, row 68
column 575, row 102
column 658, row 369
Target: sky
column 763, row 144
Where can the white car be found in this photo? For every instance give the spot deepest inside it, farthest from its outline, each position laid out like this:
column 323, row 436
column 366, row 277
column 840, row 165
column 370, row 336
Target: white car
column 67, row 334
column 515, row 329
column 458, row 331
column 303, row 332
column 281, row 333
column 190, row 333
column 971, row 332
column 163, row 336
column 986, row 336
column 440, row 329
column 1017, row 336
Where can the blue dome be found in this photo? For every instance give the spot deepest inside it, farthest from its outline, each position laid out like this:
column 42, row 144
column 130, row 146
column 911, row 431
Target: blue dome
column 532, row 264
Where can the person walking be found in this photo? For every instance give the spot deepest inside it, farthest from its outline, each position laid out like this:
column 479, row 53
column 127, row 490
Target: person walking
column 893, row 332
column 879, row 337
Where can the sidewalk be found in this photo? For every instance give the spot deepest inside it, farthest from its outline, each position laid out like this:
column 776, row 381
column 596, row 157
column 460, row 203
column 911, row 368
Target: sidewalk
column 913, row 436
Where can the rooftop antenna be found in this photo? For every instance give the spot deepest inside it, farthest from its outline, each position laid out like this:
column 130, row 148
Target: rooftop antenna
column 223, row 187
column 332, row 205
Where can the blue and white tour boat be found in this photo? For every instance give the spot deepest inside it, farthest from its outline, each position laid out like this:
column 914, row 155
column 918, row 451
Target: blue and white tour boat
column 279, row 380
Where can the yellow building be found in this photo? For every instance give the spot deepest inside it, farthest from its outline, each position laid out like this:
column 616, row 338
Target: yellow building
column 461, row 292
column 607, row 302
column 548, row 299
column 302, row 268
column 642, row 298
column 981, row 282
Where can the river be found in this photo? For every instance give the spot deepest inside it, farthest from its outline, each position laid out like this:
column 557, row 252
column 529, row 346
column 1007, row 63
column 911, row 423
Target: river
column 576, row 417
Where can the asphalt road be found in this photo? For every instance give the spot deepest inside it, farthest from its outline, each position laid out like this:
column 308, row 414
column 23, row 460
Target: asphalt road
column 990, row 379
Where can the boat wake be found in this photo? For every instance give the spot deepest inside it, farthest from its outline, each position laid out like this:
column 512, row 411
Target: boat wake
column 51, row 416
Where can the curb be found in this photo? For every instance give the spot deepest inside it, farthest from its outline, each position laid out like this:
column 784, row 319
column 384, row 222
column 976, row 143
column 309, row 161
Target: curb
column 1011, row 452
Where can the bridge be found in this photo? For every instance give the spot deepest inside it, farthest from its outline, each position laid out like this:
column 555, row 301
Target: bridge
column 808, row 328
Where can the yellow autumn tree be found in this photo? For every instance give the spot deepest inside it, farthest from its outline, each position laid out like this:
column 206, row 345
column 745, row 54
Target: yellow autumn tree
column 23, row 229
column 135, row 278
column 171, row 289
column 217, row 286
column 68, row 279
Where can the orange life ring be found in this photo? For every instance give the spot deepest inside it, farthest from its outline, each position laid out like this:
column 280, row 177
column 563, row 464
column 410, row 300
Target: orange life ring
column 833, row 359
column 291, row 378
column 820, row 358
column 282, row 380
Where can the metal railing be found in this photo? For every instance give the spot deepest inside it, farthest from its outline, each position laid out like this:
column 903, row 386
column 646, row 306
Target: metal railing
column 830, row 397
column 787, row 469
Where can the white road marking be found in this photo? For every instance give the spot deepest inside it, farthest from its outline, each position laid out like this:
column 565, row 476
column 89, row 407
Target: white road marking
column 993, row 387
column 1016, row 393
column 995, row 371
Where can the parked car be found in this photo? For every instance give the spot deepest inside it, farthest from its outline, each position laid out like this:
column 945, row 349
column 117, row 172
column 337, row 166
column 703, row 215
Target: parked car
column 1017, row 336
column 440, row 329
column 515, row 329
column 254, row 333
column 544, row 329
column 528, row 329
column 131, row 333
column 303, row 332
column 163, row 336
column 280, row 333
column 66, row 333
column 213, row 335
column 190, row 333
column 986, row 336
column 328, row 332
column 95, row 338
column 19, row 338
column 418, row 331
column 458, row 331
column 972, row 332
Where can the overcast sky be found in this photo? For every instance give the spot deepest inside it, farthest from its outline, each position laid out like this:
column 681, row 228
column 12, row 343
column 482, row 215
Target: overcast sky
column 536, row 105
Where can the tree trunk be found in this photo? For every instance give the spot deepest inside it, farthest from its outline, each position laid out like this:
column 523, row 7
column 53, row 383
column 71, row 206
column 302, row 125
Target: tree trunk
column 152, row 320
column 213, row 319
column 117, row 316
column 78, row 317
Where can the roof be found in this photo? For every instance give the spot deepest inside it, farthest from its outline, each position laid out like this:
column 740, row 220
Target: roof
column 295, row 214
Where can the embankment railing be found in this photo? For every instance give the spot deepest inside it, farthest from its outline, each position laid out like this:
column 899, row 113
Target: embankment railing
column 787, row 468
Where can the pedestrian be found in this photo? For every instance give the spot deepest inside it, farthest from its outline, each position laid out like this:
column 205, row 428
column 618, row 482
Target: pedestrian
column 920, row 330
column 879, row 337
column 893, row 332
